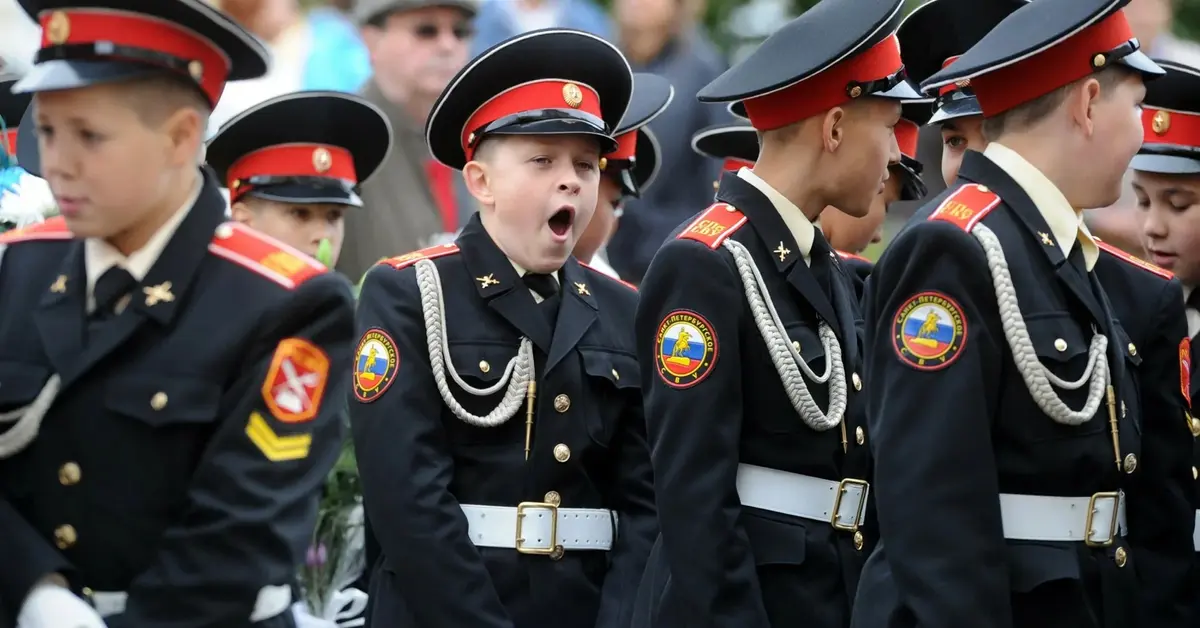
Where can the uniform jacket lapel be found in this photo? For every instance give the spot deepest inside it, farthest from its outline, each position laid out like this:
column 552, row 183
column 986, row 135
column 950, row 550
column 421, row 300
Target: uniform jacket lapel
column 62, row 312
column 979, row 169
column 786, row 256
column 498, row 284
column 578, row 312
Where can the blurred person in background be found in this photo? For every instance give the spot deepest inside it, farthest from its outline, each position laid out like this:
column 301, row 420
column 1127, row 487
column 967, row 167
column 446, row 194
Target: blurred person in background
column 499, row 20
column 663, row 37
column 628, row 171
column 1120, row 224
column 415, row 47
column 314, row 50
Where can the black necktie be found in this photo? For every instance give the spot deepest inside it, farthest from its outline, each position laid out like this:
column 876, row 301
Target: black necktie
column 115, row 283
column 821, row 264
column 1076, row 258
column 546, row 286
column 1193, row 300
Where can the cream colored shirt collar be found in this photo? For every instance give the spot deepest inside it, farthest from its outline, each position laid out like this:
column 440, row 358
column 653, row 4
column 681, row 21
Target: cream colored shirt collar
column 1066, row 224
column 99, row 256
column 796, row 222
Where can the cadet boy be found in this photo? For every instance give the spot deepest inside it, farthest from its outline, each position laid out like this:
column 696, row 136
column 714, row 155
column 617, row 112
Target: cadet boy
column 1029, row 467
column 293, row 165
column 747, row 344
column 850, row 236
column 630, row 169
column 1166, row 180
column 166, row 446
column 497, row 415
column 1144, row 298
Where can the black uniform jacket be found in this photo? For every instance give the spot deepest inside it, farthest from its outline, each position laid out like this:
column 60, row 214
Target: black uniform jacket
column 858, row 268
column 717, row 564
column 182, row 459
column 956, row 427
column 419, row 461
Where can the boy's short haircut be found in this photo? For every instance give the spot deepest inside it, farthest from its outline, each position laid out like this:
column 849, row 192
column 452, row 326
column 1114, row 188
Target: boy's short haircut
column 156, row 97
column 1028, row 114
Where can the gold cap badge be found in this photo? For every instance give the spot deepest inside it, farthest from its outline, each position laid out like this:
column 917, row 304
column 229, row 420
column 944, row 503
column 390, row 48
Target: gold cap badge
column 58, row 28
column 196, row 70
column 322, row 160
column 572, row 95
column 1161, row 123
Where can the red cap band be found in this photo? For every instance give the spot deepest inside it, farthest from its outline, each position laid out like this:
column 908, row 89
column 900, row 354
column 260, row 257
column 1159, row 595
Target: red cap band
column 206, row 63
column 907, row 132
column 626, row 147
column 544, row 94
column 946, row 89
column 1059, row 65
column 733, row 163
column 10, row 141
column 826, row 90
column 291, row 160
column 1170, row 127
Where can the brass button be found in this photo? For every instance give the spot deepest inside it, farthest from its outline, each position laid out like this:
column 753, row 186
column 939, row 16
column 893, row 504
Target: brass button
column 1122, row 409
column 981, row 188
column 484, row 366
column 1132, row 349
column 857, row 381
column 1195, row 473
column 562, row 403
column 552, row 498
column 796, row 345
column 224, row 231
column 65, row 536
column 860, row 435
column 616, row 375
column 1060, row 344
column 1120, row 556
column 69, row 474
column 158, row 401
column 87, row 592
column 557, row 553
column 1193, row 423
column 1130, row 463
column 562, row 453
column 858, row 540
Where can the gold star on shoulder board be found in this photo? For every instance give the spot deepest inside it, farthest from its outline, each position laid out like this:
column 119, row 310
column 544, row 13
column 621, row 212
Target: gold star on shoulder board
column 582, row 288
column 60, row 285
column 158, row 294
column 1046, row 238
column 782, row 251
column 487, row 280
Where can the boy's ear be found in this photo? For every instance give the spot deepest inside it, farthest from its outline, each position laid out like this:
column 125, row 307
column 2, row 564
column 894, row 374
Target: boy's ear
column 242, row 213
column 185, row 130
column 478, row 177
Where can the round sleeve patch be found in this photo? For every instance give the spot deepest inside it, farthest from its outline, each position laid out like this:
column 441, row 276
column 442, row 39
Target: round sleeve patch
column 929, row 331
column 686, row 346
column 375, row 363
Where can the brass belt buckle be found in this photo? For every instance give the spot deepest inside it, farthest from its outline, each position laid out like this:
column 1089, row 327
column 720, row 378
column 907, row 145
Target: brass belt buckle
column 837, row 504
column 1114, row 520
column 520, row 540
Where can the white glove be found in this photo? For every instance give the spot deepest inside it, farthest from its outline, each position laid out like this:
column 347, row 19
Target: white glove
column 305, row 619
column 52, row 606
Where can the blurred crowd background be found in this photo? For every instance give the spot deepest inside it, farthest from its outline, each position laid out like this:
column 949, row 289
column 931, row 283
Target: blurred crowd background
column 402, row 53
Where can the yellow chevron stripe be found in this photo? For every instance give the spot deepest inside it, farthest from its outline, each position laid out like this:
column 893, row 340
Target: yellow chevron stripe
column 275, row 447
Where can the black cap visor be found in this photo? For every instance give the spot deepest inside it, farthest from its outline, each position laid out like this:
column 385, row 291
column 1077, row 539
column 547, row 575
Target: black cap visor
column 60, row 74
column 913, row 188
column 1164, row 159
column 960, row 103
column 549, row 122
column 302, row 190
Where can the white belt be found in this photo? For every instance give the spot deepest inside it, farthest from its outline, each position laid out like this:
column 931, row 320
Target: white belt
column 839, row 503
column 272, row 600
column 1196, row 533
column 1097, row 520
column 540, row 528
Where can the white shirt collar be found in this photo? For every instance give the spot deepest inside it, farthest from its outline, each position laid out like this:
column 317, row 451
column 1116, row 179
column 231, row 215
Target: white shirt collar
column 796, row 222
column 1064, row 221
column 99, row 256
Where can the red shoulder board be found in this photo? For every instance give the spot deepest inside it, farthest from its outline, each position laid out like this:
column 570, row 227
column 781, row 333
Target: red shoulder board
column 1140, row 263
column 620, row 281
column 845, row 255
column 53, row 229
column 966, row 206
column 408, row 259
column 717, row 223
column 264, row 255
